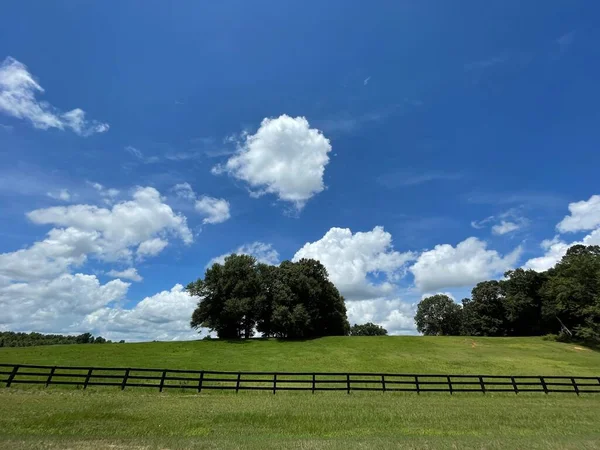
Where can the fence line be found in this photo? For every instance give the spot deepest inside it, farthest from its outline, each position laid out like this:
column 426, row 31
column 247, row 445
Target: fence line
column 290, row 381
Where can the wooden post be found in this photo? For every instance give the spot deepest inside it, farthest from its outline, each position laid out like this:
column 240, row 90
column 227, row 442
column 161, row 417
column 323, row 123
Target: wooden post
column 124, row 383
column 383, row 382
column 49, row 380
column 544, row 385
column 162, row 381
column 11, row 377
column 87, row 378
column 274, row 383
column 417, row 384
column 237, row 384
column 200, row 381
column 575, row 386
column 450, row 384
column 314, row 382
column 348, row 382
column 482, row 384
column 514, row 383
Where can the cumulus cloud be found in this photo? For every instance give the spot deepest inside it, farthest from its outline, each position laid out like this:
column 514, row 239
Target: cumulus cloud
column 284, row 157
column 184, row 191
column 584, row 215
column 18, row 90
column 125, row 225
column 127, row 274
column 216, row 210
column 362, row 265
column 466, row 264
column 62, row 194
column 163, row 316
column 56, row 305
column 554, row 250
column 264, row 253
column 395, row 315
column 151, row 247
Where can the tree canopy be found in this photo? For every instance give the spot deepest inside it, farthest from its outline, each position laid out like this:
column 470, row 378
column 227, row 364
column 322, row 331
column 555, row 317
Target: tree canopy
column 292, row 300
column 525, row 302
column 13, row 339
column 367, row 329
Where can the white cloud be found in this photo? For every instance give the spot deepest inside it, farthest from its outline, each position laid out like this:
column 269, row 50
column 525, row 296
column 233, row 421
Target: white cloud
column 554, row 249
column 139, row 155
column 62, row 194
column 151, row 247
column 163, row 316
column 361, row 265
column 264, row 253
column 184, row 191
column 505, row 227
column 216, row 210
column 125, row 225
column 56, row 305
column 285, row 157
column 18, row 90
column 466, row 264
column 396, row 316
column 128, row 274
column 585, row 215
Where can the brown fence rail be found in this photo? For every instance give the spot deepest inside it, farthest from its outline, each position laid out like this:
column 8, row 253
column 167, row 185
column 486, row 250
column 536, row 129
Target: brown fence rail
column 290, row 381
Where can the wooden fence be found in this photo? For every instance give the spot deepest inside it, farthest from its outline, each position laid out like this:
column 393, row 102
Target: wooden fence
column 200, row 380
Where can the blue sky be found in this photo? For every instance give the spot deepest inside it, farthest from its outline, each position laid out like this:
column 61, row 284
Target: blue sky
column 413, row 147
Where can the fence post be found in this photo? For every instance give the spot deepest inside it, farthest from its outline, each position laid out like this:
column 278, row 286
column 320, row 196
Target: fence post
column 544, row 385
column 482, row 384
column 237, row 384
column 124, row 383
column 383, row 382
column 162, row 381
column 200, row 381
column 87, row 378
column 348, row 382
column 450, row 384
column 314, row 382
column 575, row 385
column 12, row 376
column 417, row 384
column 49, row 380
column 274, row 383
column 514, row 383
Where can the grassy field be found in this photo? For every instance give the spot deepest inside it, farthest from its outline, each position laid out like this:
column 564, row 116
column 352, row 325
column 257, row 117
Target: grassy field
column 100, row 418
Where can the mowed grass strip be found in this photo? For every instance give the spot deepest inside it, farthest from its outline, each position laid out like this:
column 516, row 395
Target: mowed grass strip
column 406, row 354
column 95, row 419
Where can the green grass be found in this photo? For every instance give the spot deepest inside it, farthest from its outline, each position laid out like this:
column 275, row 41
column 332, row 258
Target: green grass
column 109, row 418
column 454, row 355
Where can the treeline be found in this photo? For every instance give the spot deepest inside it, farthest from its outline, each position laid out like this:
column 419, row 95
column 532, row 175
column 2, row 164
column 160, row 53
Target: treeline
column 564, row 300
column 12, row 339
column 292, row 300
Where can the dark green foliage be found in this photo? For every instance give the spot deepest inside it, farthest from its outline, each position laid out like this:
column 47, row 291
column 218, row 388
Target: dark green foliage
column 368, row 329
column 12, row 339
column 292, row 300
column 438, row 315
column 527, row 303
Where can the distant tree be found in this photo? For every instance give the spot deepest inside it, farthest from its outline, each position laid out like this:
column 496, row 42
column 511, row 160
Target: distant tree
column 485, row 314
column 438, row 315
column 15, row 339
column 522, row 301
column 99, row 340
column 368, row 329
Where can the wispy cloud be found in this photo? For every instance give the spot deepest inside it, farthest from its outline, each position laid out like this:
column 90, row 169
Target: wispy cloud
column 504, row 223
column 18, row 90
column 530, row 199
column 414, row 178
column 137, row 154
column 366, row 80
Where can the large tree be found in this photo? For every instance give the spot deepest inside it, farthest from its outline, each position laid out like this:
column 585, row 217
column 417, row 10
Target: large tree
column 522, row 300
column 438, row 315
column 484, row 313
column 292, row 300
column 572, row 292
column 368, row 329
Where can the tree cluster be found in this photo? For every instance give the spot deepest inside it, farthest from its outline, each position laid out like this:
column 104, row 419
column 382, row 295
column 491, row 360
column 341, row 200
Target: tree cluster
column 12, row 339
column 292, row 300
column 564, row 299
column 367, row 329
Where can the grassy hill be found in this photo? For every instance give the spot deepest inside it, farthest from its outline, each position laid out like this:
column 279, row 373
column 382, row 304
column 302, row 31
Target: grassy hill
column 55, row 418
column 409, row 354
